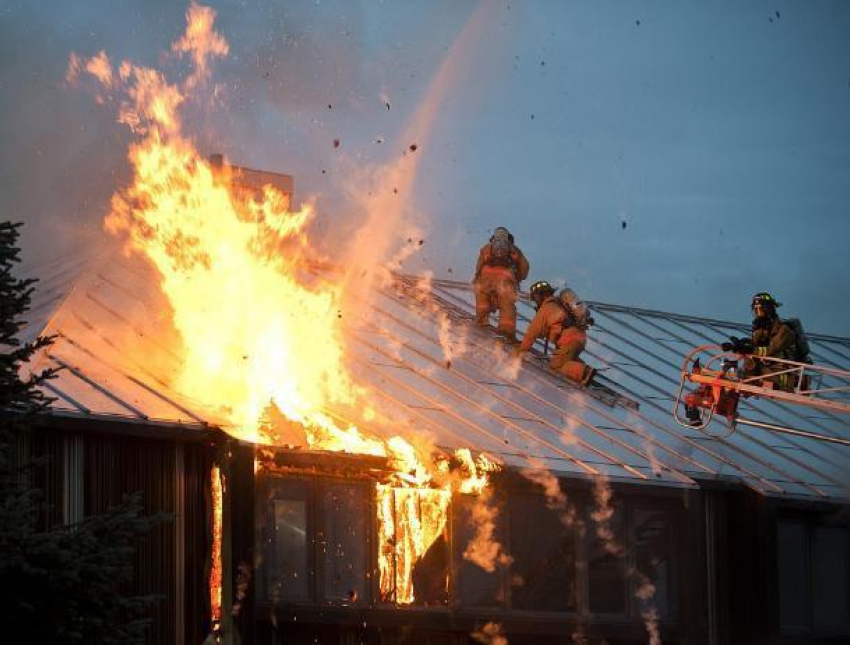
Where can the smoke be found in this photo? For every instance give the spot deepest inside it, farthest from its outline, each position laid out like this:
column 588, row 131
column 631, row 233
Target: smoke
column 391, row 230
column 644, row 589
column 243, row 582
column 645, row 592
column 602, row 514
column 483, row 549
column 648, row 447
column 556, row 499
column 505, row 364
column 490, row 634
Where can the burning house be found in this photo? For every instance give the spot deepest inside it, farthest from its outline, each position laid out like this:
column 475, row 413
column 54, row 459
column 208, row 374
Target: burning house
column 521, row 507
column 349, row 459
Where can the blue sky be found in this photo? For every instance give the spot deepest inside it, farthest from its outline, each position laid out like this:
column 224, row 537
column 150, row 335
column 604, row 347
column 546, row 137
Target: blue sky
column 718, row 133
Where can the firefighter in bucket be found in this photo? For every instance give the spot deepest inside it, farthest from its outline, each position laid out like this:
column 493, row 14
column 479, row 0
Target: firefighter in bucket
column 771, row 338
column 774, row 338
column 500, row 268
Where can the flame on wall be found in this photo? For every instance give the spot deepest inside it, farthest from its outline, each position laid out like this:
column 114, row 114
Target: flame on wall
column 217, row 488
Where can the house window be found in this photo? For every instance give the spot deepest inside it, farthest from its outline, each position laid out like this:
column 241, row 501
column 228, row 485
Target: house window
column 606, row 570
column 543, row 574
column 288, row 570
column 316, row 540
column 474, row 586
column 830, row 579
column 793, row 576
column 814, row 578
column 343, row 544
column 653, row 555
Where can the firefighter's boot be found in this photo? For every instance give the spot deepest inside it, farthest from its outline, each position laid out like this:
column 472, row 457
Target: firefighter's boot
column 693, row 415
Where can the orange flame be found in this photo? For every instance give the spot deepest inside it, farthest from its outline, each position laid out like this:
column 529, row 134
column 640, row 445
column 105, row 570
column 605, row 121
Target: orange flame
column 215, row 565
column 258, row 339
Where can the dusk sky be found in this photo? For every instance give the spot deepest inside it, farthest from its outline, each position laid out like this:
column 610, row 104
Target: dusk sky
column 671, row 155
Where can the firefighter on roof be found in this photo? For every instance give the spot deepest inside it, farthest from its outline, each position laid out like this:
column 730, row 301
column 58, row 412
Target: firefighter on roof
column 562, row 321
column 501, row 267
column 771, row 337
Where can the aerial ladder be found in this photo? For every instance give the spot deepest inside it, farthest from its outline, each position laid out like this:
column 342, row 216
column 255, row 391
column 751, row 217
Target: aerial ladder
column 721, row 383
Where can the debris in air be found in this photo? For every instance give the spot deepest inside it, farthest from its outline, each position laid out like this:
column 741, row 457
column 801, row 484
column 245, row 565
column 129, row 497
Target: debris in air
column 336, row 143
column 413, row 147
column 637, row 22
column 623, row 223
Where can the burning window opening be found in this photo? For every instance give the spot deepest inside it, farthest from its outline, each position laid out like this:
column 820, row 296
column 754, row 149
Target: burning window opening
column 217, row 488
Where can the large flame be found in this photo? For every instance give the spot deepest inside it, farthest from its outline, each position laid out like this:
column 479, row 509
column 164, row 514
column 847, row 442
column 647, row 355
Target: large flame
column 260, row 341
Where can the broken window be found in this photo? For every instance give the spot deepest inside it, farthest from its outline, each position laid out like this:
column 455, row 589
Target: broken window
column 288, row 566
column 343, row 542
column 413, row 547
column 606, row 569
column 543, row 574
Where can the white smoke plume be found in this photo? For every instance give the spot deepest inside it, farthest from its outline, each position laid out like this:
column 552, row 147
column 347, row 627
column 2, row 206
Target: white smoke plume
column 483, row 549
column 649, row 449
column 556, row 499
column 645, row 592
column 602, row 514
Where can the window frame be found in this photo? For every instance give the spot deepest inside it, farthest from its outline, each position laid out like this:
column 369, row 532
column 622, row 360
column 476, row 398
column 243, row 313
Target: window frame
column 810, row 522
column 317, row 487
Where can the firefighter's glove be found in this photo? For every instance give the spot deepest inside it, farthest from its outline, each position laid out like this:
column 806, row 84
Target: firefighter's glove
column 738, row 345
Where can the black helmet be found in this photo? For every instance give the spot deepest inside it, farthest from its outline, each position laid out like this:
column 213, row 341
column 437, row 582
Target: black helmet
column 766, row 300
column 541, row 287
column 501, row 233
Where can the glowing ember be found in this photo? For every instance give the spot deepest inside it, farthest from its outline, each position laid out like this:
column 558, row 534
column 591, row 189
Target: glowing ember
column 215, row 566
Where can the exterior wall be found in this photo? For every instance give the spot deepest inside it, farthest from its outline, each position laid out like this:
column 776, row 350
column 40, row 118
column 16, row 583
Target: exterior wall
column 88, row 469
column 780, row 570
column 562, row 582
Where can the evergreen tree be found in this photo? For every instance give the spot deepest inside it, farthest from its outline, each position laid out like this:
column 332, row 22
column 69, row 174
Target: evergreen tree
column 17, row 396
column 58, row 584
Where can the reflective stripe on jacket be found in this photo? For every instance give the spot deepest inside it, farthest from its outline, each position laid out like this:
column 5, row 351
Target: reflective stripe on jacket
column 778, row 341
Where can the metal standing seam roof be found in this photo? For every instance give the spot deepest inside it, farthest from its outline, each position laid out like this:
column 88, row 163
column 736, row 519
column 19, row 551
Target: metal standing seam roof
column 524, row 417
